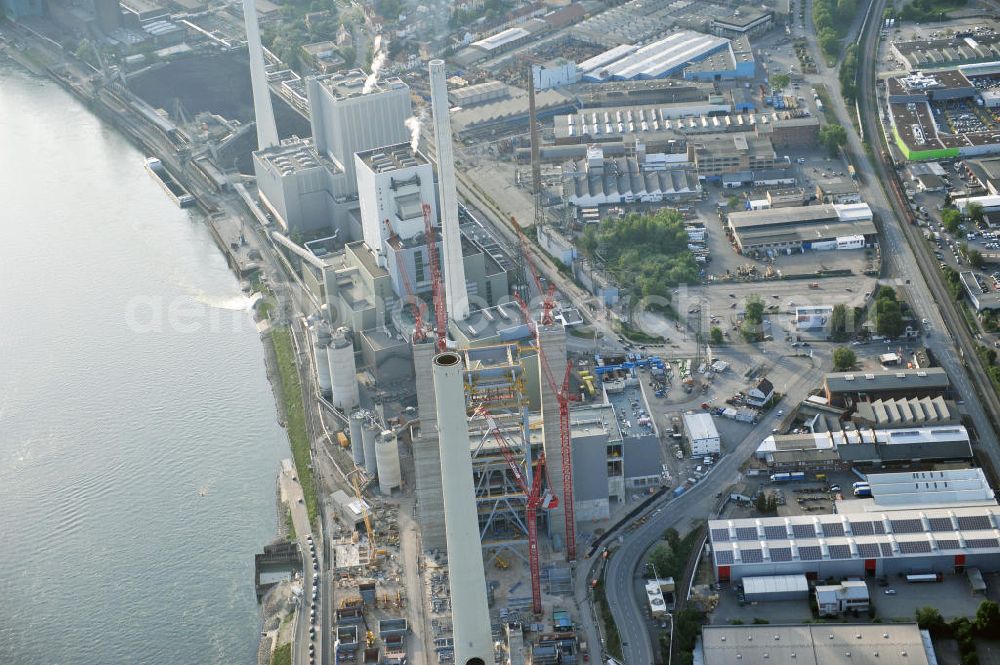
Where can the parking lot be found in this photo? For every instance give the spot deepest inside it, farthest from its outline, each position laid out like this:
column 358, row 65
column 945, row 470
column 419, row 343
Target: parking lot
column 952, row 597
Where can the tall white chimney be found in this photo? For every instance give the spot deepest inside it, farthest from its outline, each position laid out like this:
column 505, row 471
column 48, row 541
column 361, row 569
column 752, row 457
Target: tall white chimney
column 467, row 578
column 267, row 131
column 456, row 295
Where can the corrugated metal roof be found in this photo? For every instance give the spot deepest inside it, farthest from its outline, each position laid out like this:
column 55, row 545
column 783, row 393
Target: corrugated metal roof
column 775, row 584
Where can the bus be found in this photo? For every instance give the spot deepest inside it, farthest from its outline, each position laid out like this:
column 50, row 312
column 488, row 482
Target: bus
column 924, row 577
column 863, row 483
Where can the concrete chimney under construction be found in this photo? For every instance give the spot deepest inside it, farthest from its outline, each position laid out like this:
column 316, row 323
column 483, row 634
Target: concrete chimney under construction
column 267, row 131
column 456, row 295
column 467, row 578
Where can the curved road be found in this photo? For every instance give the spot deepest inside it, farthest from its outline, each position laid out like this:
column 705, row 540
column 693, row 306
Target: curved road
column 622, row 572
column 910, row 271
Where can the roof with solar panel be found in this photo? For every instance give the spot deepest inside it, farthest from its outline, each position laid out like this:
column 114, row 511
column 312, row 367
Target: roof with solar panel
column 872, row 535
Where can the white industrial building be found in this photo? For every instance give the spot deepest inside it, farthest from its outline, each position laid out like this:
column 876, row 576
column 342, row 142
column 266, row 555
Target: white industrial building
column 848, row 596
column 311, row 185
column 394, row 183
column 596, row 180
column 773, row 588
column 932, row 540
column 702, row 434
column 655, row 60
column 910, row 490
column 870, row 445
column 815, row 644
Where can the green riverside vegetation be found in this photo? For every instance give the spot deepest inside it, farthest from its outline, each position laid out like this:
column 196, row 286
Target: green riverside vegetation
column 295, row 415
column 282, row 655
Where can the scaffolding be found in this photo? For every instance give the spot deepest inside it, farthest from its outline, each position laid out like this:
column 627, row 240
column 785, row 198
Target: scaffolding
column 495, row 381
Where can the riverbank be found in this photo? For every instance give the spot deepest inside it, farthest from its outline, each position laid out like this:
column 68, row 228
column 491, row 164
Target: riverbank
column 289, row 394
column 154, row 468
column 282, row 373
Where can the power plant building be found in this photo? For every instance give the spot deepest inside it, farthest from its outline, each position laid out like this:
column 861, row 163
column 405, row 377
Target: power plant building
column 311, row 185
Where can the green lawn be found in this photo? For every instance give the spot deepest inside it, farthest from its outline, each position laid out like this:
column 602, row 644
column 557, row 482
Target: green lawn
column 291, row 398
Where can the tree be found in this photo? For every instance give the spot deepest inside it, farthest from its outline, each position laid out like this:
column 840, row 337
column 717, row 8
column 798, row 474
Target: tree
column 843, row 359
column 780, row 81
column 888, row 318
column 988, row 618
column 832, row 137
column 886, row 293
column 976, row 259
column 647, row 253
column 976, row 213
column 951, row 219
column 828, row 40
column 673, row 538
column 754, row 309
column 733, row 202
column 715, row 335
column 929, row 618
column 753, row 319
column 840, row 326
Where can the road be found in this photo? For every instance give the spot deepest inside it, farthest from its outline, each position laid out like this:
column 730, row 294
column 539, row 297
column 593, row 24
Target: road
column 694, row 505
column 914, row 274
column 300, row 519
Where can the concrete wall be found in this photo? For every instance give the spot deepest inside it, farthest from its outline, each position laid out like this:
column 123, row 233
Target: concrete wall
column 342, row 127
column 426, row 456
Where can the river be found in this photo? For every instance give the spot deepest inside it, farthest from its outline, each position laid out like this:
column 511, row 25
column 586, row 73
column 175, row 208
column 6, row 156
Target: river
column 138, row 439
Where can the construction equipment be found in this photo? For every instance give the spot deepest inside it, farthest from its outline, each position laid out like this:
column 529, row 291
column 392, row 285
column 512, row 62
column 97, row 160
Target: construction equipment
column 501, row 562
column 534, row 498
column 372, row 552
column 547, row 295
column 419, row 330
column 440, row 311
column 561, row 391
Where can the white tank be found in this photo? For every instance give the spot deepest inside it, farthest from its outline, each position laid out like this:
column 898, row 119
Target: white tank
column 321, row 340
column 343, row 371
column 390, row 476
column 467, row 578
column 357, row 446
column 368, row 434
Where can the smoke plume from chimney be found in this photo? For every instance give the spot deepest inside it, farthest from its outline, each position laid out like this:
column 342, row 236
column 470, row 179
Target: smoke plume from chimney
column 378, row 61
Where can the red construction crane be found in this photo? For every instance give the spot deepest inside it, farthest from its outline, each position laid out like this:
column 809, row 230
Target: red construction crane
column 419, row 329
column 534, row 498
column 564, row 397
column 548, row 295
column 440, row 312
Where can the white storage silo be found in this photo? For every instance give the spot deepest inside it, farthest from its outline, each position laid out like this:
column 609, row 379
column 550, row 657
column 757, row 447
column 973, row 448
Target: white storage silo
column 321, row 340
column 368, row 434
column 343, row 371
column 387, row 462
column 357, row 446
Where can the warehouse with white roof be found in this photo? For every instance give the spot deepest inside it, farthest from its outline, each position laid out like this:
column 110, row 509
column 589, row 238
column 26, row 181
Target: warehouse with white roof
column 938, row 540
column 658, row 59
